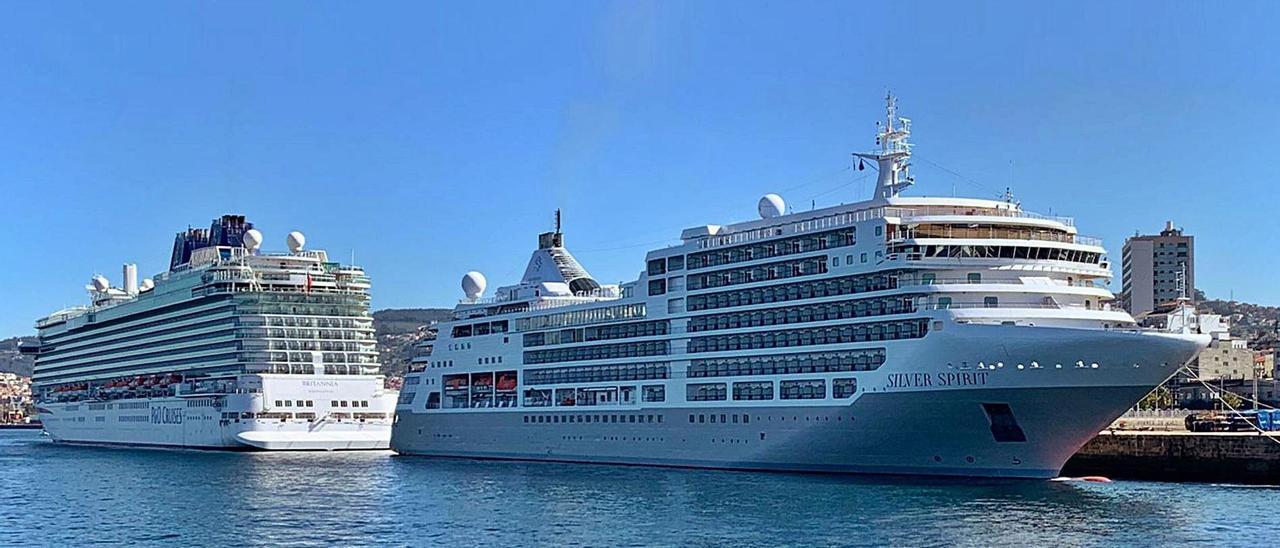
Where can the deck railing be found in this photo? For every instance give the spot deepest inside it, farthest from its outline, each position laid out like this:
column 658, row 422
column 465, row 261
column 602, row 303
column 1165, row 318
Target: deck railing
column 852, row 217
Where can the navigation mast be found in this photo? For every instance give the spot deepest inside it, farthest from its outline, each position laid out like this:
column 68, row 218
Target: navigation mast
column 895, row 151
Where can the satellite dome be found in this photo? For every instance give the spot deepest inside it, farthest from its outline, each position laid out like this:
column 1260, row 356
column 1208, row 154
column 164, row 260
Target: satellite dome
column 252, row 239
column 147, row 285
column 296, row 241
column 473, row 284
column 771, row 205
column 100, row 283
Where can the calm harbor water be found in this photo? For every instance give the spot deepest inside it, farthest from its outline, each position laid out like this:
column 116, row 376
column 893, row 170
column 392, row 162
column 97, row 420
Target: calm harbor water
column 53, row 495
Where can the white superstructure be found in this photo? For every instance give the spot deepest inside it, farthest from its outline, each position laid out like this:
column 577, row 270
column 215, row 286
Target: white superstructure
column 232, row 348
column 897, row 335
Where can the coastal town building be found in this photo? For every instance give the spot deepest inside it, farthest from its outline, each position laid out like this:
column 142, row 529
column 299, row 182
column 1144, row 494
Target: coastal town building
column 1226, row 365
column 1206, row 395
column 15, row 399
column 1232, row 359
column 1157, row 269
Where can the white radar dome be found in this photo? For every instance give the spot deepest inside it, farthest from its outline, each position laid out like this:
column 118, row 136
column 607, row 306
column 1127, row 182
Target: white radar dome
column 771, row 205
column 473, row 284
column 252, row 239
column 100, row 283
column 296, row 241
column 147, row 285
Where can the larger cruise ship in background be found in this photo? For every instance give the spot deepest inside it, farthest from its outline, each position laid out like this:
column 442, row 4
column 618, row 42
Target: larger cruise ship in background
column 939, row 336
column 232, row 348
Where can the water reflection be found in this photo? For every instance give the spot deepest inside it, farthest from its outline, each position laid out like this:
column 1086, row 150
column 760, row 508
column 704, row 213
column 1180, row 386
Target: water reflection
column 56, row 495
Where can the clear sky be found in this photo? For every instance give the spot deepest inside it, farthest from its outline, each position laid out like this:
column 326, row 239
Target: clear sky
column 433, row 140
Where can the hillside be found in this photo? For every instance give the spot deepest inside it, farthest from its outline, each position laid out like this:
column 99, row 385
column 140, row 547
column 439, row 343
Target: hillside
column 1257, row 324
column 13, row 362
column 398, row 329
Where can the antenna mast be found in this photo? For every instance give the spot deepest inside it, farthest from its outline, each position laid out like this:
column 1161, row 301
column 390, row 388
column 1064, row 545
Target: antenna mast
column 895, row 151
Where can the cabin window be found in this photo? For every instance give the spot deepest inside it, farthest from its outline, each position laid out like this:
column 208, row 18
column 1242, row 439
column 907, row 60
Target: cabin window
column 990, row 302
column 657, row 266
column 844, row 388
column 803, row 389
column 706, row 392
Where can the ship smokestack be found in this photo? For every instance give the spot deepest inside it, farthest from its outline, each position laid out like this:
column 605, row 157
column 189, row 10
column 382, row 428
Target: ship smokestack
column 131, row 279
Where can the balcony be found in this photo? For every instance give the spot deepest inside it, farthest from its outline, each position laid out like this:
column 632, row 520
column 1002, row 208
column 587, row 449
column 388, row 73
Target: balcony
column 990, row 233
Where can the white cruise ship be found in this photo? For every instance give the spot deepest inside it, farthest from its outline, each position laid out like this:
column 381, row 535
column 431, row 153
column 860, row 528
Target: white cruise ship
column 901, row 335
column 232, row 348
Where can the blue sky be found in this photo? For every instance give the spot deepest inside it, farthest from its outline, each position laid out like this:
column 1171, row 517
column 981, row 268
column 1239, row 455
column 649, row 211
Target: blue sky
column 434, row 139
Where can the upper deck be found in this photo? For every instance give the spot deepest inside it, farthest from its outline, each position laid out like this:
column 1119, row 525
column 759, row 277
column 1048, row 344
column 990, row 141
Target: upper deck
column 887, row 232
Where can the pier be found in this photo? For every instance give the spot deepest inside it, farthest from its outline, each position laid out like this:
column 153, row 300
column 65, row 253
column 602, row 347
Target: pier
column 1229, row 457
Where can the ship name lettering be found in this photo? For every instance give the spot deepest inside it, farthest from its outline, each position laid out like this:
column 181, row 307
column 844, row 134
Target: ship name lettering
column 909, row 380
column 974, row 378
column 922, row 380
column 166, row 415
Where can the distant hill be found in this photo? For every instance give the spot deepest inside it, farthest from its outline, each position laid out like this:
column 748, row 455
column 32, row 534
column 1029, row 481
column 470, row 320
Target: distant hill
column 13, row 362
column 398, row 329
column 398, row 321
column 1255, row 323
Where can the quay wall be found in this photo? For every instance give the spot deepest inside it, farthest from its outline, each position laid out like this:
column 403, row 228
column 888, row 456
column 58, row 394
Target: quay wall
column 1227, row 457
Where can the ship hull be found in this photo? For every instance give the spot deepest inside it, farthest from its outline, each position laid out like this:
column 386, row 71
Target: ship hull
column 946, row 416
column 949, row 434
column 185, row 423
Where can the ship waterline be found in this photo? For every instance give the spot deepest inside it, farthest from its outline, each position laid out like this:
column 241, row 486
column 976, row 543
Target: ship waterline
column 936, row 336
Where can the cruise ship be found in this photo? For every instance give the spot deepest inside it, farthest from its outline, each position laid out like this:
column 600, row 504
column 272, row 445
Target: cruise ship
column 231, row 348
column 897, row 335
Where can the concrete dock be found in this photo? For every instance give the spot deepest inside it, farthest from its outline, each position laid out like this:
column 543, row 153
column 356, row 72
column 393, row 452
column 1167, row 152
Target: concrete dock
column 1226, row 457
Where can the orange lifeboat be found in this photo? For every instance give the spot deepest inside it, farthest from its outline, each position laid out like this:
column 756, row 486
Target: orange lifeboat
column 506, row 383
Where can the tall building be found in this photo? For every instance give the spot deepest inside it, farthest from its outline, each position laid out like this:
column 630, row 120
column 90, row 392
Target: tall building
column 1154, row 268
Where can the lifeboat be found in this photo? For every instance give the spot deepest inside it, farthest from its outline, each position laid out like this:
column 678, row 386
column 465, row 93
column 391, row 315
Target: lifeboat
column 506, row 383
